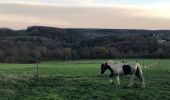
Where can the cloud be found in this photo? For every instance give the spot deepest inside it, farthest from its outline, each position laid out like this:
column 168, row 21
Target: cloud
column 51, row 2
column 19, row 14
column 86, row 2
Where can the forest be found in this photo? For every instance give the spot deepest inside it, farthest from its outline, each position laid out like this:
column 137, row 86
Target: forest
column 50, row 43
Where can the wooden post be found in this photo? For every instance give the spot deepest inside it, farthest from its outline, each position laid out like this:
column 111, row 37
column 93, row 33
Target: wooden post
column 37, row 68
column 136, row 60
column 37, row 62
column 143, row 64
column 123, row 61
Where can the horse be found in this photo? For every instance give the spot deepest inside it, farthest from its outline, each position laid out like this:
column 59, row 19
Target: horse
column 120, row 69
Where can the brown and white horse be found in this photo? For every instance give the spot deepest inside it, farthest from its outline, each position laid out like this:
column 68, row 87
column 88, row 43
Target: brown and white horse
column 119, row 69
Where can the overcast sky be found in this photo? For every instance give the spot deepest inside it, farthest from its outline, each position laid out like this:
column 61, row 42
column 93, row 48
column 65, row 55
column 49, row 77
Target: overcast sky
column 133, row 14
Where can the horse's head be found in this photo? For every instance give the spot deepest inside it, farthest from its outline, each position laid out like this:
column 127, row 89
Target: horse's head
column 103, row 68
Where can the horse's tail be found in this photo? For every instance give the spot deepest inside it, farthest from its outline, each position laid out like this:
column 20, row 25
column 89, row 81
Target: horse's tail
column 139, row 74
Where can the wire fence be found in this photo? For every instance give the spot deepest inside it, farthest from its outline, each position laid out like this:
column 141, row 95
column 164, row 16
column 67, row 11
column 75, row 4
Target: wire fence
column 37, row 69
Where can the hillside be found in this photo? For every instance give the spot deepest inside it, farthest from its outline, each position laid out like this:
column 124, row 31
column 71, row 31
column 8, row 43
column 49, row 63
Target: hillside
column 50, row 43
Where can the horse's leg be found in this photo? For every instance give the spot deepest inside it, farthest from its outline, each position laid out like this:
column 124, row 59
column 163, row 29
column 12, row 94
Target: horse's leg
column 142, row 81
column 131, row 80
column 118, row 81
column 111, row 77
column 111, row 80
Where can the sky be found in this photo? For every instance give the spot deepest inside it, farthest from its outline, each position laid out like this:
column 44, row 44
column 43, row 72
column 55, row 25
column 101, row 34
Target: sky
column 115, row 14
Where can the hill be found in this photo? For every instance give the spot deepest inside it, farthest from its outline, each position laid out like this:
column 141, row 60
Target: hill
column 49, row 43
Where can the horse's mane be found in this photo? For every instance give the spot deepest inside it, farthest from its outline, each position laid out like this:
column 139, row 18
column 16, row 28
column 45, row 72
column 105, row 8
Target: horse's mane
column 114, row 62
column 117, row 62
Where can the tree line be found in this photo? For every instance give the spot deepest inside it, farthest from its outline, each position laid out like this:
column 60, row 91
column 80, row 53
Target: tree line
column 23, row 46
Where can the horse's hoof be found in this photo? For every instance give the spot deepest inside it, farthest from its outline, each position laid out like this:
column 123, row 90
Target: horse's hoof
column 100, row 75
column 110, row 81
column 143, row 86
column 129, row 85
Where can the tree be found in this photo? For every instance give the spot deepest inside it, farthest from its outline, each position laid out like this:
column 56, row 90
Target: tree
column 130, row 53
column 113, row 53
column 85, row 52
column 24, row 54
column 67, row 53
column 103, row 52
column 159, row 52
column 1, row 55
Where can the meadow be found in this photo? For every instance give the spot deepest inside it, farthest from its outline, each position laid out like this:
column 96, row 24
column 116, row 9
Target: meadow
column 78, row 80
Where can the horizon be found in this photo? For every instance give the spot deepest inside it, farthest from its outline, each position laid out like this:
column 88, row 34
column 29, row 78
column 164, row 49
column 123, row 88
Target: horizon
column 110, row 14
column 85, row 28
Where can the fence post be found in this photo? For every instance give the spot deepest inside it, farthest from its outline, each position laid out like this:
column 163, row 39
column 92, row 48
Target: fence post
column 136, row 60
column 37, row 69
column 123, row 61
column 37, row 62
column 143, row 64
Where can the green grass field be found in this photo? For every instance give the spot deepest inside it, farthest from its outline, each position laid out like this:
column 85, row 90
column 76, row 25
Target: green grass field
column 78, row 80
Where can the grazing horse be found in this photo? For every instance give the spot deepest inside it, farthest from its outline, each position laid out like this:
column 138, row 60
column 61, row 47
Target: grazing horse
column 119, row 69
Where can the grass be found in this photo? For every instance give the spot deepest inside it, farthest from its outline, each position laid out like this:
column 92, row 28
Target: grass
column 78, row 80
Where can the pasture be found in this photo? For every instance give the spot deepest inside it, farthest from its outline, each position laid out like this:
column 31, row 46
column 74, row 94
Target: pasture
column 78, row 80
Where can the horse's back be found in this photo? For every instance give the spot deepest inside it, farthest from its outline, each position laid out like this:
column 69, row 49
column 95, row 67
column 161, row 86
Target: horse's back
column 114, row 64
